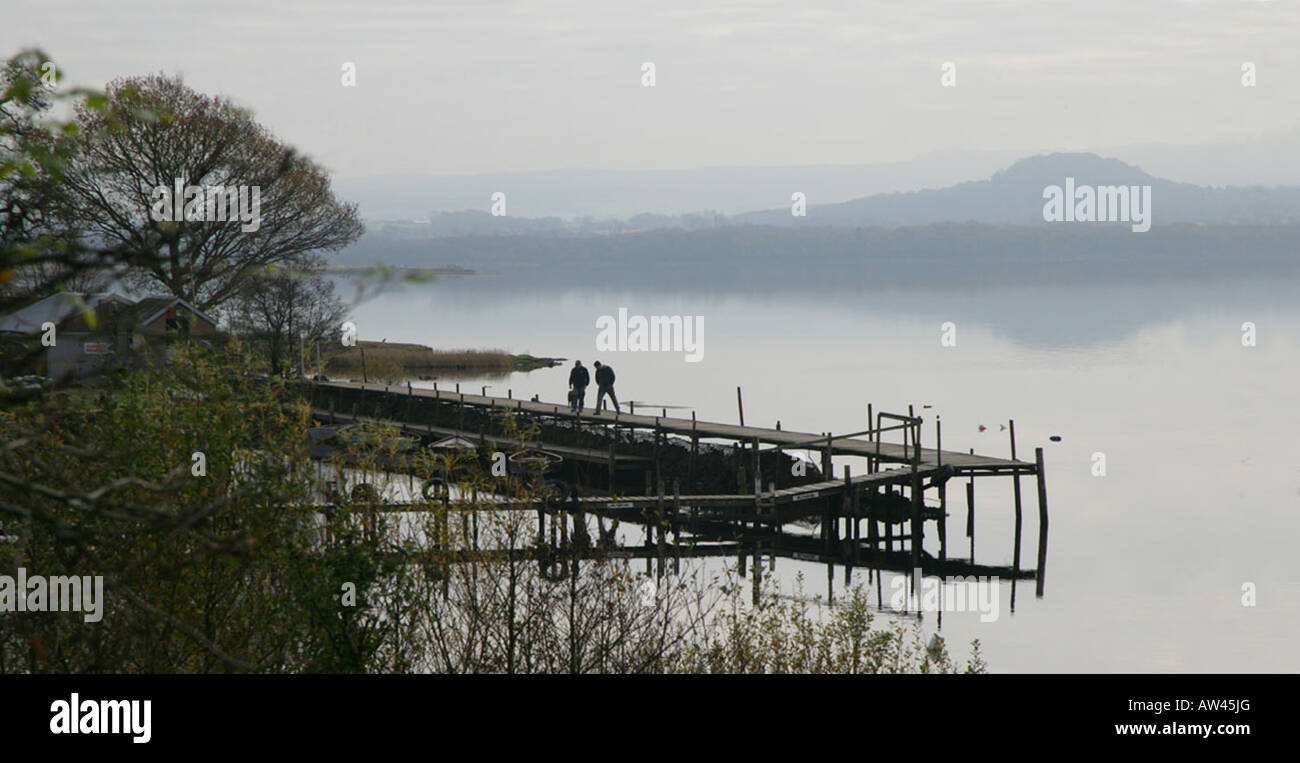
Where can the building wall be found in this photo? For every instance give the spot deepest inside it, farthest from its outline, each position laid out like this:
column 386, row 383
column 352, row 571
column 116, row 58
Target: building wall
column 79, row 354
column 198, row 326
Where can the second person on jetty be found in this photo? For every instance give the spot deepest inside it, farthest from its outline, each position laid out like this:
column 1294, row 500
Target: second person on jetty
column 605, row 386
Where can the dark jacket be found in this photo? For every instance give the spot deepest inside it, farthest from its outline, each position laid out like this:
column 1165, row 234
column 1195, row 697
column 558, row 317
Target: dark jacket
column 579, row 377
column 605, row 376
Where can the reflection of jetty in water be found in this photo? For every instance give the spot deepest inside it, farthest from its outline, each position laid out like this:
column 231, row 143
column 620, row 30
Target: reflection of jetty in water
column 705, row 489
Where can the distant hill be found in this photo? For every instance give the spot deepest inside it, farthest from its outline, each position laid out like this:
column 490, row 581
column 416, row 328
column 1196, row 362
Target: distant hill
column 1014, row 196
column 577, row 193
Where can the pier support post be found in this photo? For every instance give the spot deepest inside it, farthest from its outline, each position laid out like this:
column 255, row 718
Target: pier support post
column 677, row 510
column 695, row 447
column 612, row 466
column 1042, row 522
column 659, row 532
column 943, row 492
column 1015, row 485
column 917, row 492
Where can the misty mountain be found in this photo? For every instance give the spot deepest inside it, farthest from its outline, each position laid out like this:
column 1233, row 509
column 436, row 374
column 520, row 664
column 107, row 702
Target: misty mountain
column 1014, row 196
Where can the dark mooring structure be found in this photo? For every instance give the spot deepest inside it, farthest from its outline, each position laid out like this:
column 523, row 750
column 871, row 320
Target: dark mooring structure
column 702, row 488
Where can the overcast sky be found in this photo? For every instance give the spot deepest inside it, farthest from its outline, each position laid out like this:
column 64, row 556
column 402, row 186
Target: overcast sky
column 492, row 85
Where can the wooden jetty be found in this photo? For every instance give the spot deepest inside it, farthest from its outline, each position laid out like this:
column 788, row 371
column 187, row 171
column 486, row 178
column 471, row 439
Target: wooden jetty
column 631, row 467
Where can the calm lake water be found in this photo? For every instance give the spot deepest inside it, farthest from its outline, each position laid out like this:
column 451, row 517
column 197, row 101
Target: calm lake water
column 1147, row 564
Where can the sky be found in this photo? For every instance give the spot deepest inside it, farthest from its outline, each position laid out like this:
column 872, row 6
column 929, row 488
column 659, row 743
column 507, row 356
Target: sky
column 496, row 86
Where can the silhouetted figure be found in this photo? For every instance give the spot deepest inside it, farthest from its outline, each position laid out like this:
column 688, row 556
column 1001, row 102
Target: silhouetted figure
column 605, row 386
column 578, row 381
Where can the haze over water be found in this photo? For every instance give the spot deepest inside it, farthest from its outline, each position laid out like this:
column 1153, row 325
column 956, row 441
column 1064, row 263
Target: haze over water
column 1146, row 565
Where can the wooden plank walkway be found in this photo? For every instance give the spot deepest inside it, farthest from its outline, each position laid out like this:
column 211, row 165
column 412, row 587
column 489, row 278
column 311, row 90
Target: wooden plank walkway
column 963, row 463
column 568, row 451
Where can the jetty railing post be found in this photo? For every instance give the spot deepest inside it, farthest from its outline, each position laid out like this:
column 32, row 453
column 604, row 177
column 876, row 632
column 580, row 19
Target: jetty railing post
column 871, row 435
column 695, row 447
column 1042, row 521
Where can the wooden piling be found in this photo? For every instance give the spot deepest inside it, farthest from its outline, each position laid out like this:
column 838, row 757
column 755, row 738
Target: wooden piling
column 740, row 406
column 659, row 532
column 917, row 493
column 1015, row 486
column 943, row 493
column 1042, row 522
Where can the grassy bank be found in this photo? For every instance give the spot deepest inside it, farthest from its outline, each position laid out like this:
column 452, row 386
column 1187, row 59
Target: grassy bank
column 396, row 360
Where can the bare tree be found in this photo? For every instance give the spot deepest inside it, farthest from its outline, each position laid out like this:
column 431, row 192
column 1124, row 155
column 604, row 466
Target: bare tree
column 159, row 134
column 279, row 305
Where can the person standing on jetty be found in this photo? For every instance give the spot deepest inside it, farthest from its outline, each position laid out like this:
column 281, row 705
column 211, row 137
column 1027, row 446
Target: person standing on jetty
column 578, row 381
column 605, row 386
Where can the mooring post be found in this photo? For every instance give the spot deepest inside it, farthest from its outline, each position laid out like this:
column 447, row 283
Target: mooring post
column 758, row 469
column 828, row 467
column 740, row 406
column 1042, row 521
column 1015, row 557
